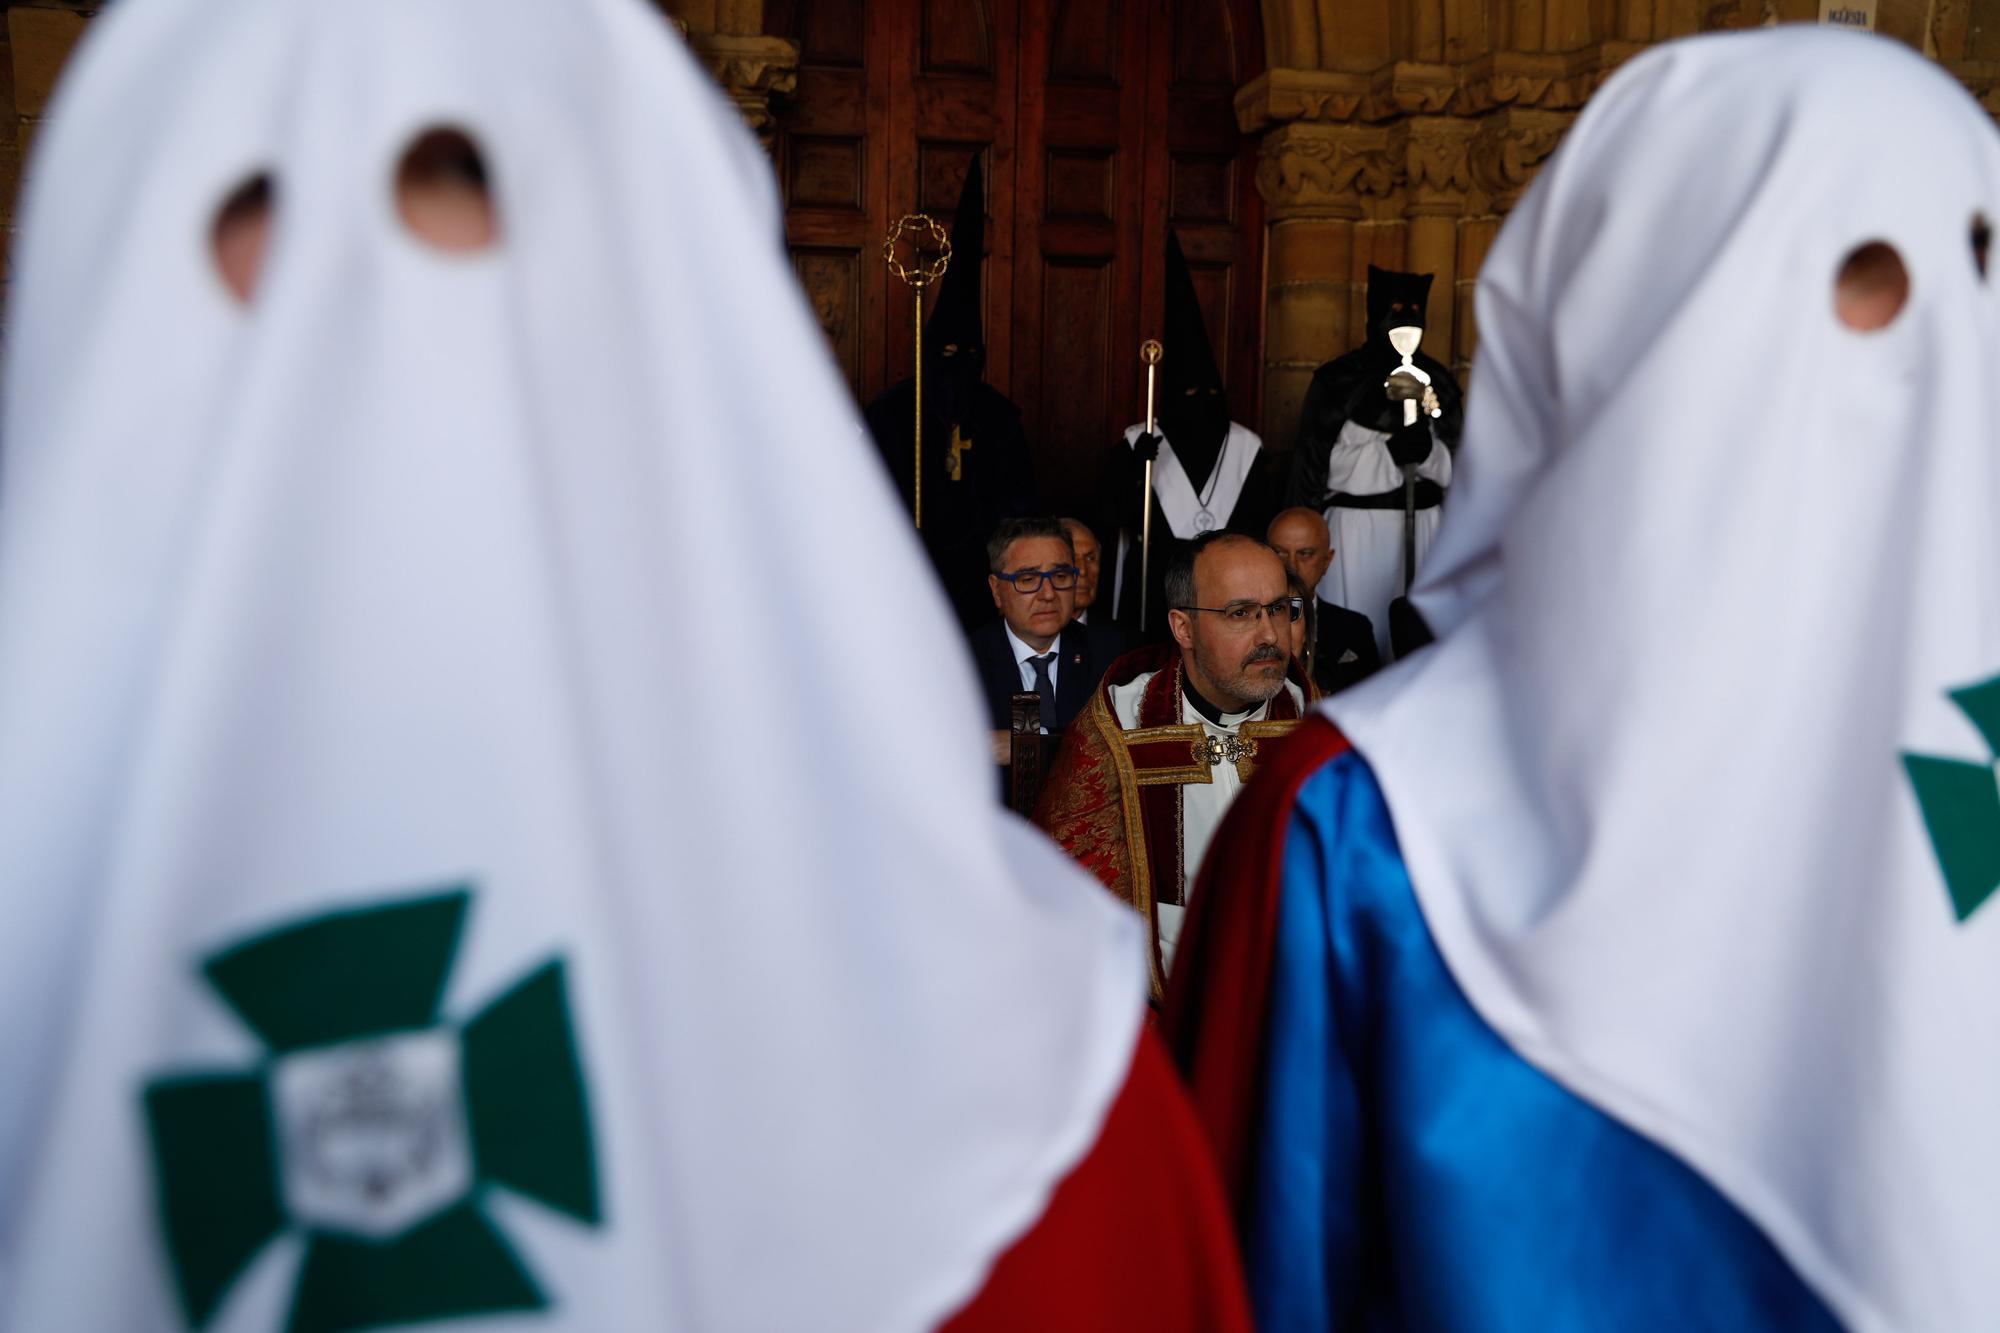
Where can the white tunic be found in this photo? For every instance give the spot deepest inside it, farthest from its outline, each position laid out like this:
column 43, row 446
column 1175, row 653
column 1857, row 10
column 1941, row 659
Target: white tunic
column 1190, row 512
column 1367, row 569
column 1202, row 804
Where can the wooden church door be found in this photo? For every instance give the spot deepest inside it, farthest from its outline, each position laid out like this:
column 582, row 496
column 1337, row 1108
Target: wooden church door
column 1099, row 124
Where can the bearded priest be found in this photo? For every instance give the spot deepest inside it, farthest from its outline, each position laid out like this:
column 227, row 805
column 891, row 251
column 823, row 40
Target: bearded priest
column 1151, row 764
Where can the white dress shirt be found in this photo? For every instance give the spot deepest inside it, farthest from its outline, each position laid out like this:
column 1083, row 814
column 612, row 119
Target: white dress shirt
column 1024, row 663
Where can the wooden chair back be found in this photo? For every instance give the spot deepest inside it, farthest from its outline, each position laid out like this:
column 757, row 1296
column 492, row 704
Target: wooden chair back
column 1024, row 770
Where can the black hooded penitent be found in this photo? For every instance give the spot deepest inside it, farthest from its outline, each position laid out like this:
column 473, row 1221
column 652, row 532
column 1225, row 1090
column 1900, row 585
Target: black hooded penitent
column 976, row 468
column 1349, row 388
column 955, row 333
column 1194, row 417
column 1193, row 411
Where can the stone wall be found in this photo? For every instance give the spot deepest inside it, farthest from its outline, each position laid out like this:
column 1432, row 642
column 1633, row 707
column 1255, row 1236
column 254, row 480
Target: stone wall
column 1400, row 132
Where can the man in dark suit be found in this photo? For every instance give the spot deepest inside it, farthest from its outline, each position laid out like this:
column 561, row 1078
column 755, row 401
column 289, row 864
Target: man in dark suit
column 1035, row 645
column 1343, row 650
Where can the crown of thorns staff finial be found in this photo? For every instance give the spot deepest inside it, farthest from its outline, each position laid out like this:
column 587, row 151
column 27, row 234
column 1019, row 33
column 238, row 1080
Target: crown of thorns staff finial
column 921, row 271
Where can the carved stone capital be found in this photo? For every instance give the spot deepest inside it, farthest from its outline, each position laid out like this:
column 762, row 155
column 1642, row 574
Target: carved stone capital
column 1424, row 90
column 1334, row 97
column 751, row 70
column 1437, row 164
column 1323, row 170
column 1550, row 81
column 1553, row 81
column 1279, row 96
column 1510, row 146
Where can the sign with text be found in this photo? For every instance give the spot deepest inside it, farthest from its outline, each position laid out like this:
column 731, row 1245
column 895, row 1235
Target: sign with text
column 1848, row 13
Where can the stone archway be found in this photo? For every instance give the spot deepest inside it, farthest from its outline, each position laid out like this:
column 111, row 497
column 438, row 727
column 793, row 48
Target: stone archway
column 1400, row 133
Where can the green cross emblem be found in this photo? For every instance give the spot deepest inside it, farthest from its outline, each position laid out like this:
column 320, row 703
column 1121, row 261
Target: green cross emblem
column 1961, row 804
column 372, row 1126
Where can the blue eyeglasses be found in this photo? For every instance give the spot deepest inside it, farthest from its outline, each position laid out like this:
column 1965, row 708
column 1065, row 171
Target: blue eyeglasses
column 1028, row 582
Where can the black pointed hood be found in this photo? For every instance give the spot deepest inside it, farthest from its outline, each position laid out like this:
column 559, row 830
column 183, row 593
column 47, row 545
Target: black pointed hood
column 1396, row 299
column 1194, row 413
column 956, row 316
column 1190, row 360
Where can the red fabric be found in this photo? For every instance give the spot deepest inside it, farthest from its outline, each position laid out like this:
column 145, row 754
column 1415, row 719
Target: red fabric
column 1082, row 802
column 1218, row 1002
column 1136, row 1237
column 1083, row 805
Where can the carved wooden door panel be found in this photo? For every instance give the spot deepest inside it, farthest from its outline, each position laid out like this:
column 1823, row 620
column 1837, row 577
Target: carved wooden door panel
column 953, row 84
column 834, row 175
column 1083, row 195
column 895, row 99
column 1099, row 123
column 1210, row 50
column 1127, row 128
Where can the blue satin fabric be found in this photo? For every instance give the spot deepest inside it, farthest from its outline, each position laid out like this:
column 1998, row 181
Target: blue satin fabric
column 1416, row 1174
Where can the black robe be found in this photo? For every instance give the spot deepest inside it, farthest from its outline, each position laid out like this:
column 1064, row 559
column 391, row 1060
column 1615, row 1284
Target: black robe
column 1349, row 387
column 995, row 481
column 1117, row 511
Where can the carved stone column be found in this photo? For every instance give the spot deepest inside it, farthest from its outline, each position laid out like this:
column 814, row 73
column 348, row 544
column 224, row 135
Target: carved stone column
column 1503, row 157
column 1438, row 172
column 1409, row 166
column 1316, row 180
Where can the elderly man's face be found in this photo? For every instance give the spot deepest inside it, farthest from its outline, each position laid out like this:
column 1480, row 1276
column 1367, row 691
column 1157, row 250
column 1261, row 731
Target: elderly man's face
column 1088, row 559
column 1300, row 539
column 1235, row 666
column 1035, row 614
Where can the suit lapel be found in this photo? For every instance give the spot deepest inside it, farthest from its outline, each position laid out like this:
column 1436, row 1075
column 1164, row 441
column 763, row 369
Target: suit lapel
column 1075, row 676
column 999, row 671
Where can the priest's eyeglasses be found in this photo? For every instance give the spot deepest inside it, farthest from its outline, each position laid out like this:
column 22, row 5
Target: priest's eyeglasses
column 1242, row 615
column 1028, row 582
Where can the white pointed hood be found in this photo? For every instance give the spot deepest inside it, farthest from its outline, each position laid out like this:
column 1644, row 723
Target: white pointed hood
column 1713, row 565
column 558, row 576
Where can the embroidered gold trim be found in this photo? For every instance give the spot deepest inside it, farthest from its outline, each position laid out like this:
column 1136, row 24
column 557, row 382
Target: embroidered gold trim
column 1195, row 770
column 1135, row 834
column 1260, row 731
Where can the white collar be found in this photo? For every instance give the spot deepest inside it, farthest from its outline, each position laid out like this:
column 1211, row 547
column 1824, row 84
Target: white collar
column 1229, row 722
column 1022, row 652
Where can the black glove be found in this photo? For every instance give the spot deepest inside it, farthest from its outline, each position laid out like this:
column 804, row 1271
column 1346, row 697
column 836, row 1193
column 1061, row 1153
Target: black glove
column 1369, row 406
column 1147, row 447
column 1410, row 445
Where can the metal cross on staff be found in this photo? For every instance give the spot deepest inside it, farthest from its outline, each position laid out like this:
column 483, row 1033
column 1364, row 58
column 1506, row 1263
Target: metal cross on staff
column 920, row 273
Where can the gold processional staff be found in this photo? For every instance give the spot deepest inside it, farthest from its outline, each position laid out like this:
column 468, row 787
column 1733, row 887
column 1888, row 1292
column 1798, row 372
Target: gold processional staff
column 919, row 273
column 1150, row 352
